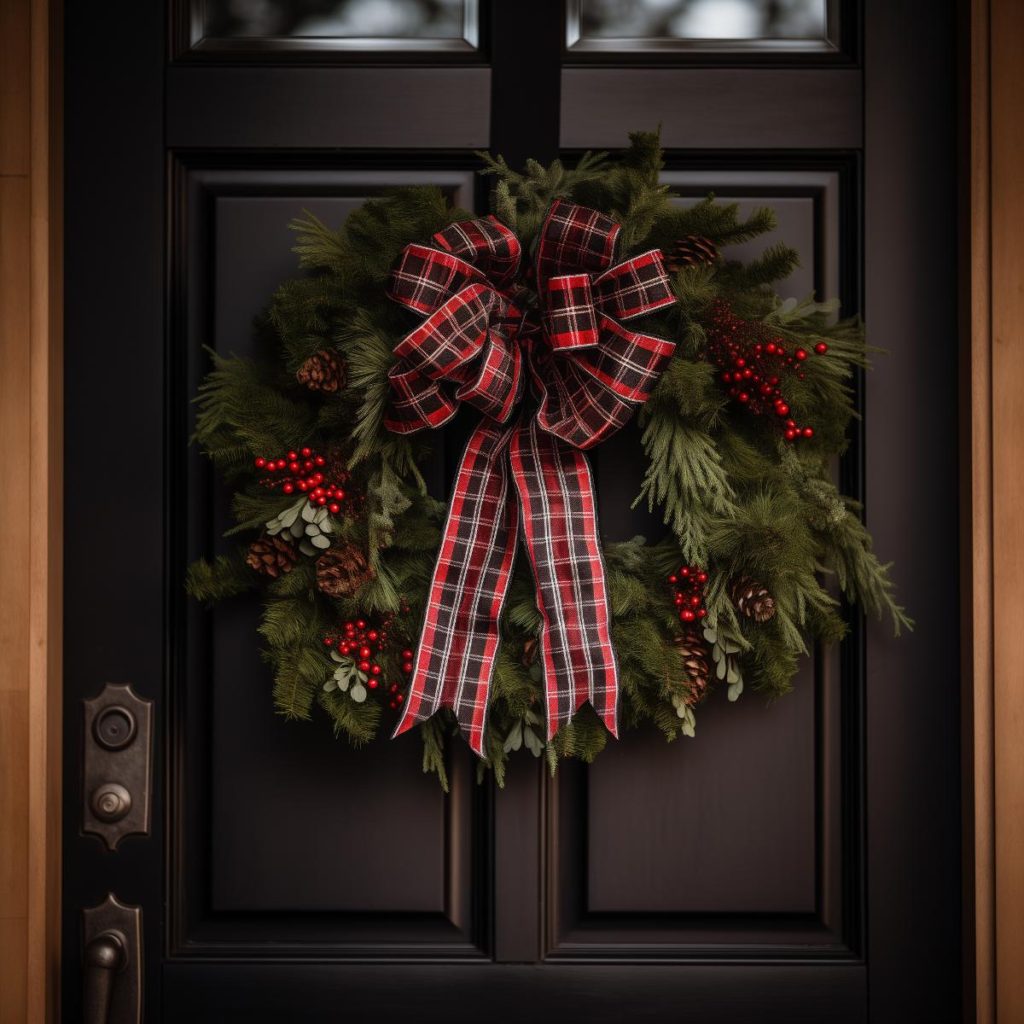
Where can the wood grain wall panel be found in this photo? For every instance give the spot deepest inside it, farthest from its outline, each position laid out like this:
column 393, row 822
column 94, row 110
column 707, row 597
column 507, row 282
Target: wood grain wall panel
column 15, row 580
column 15, row 87
column 1007, row 341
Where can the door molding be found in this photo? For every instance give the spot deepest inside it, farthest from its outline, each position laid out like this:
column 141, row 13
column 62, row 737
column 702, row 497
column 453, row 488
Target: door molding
column 993, row 541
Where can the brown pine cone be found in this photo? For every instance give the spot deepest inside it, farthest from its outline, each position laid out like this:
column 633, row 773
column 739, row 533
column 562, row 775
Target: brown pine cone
column 272, row 556
column 693, row 650
column 752, row 599
column 322, row 371
column 689, row 251
column 340, row 572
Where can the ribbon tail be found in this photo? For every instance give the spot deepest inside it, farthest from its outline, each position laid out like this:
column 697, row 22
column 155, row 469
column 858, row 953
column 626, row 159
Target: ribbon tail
column 455, row 657
column 559, row 514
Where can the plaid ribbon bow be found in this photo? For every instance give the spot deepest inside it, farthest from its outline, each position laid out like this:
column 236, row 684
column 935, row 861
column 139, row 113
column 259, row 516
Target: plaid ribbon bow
column 588, row 373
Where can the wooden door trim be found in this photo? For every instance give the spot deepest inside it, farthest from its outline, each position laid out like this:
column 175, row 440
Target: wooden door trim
column 994, row 542
column 30, row 522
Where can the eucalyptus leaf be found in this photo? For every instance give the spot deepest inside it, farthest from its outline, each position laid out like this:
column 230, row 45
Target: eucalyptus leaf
column 720, row 668
column 320, row 541
column 306, row 548
column 358, row 693
column 308, row 512
column 735, row 690
column 533, row 742
column 296, row 529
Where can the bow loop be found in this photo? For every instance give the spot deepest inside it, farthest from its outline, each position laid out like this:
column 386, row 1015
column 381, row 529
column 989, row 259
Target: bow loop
column 487, row 245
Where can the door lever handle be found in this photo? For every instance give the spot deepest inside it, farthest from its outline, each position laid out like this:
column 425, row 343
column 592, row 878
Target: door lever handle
column 112, row 963
column 104, row 957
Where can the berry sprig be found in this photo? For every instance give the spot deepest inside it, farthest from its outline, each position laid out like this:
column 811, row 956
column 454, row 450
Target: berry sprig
column 753, row 360
column 364, row 645
column 688, row 585
column 306, row 471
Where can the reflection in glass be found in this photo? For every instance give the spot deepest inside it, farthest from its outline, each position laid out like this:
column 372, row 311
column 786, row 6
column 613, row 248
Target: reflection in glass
column 335, row 19
column 704, row 19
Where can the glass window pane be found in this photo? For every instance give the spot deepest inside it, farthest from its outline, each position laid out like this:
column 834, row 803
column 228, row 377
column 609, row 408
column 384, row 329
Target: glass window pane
column 335, row 19
column 699, row 21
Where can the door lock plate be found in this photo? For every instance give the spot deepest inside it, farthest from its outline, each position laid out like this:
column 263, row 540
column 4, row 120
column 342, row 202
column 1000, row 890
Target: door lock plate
column 118, row 736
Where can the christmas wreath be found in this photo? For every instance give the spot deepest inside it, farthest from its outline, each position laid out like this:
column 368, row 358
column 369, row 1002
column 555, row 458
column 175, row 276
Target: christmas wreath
column 588, row 297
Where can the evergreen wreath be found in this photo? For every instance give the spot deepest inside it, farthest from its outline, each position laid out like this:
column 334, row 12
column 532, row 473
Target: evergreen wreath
column 740, row 433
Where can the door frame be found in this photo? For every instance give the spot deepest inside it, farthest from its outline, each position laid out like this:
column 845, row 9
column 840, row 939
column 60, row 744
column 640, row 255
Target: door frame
column 992, row 542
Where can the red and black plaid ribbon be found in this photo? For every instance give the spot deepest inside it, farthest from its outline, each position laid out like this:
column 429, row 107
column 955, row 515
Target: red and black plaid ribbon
column 523, row 470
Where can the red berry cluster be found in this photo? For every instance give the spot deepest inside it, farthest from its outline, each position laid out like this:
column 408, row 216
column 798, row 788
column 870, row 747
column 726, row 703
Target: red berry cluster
column 304, row 471
column 688, row 592
column 364, row 643
column 752, row 359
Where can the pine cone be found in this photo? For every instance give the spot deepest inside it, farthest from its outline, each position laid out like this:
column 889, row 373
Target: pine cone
column 752, row 599
column 322, row 371
column 689, row 251
column 693, row 650
column 272, row 556
column 340, row 572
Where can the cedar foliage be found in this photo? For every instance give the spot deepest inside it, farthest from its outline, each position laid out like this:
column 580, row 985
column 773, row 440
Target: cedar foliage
column 734, row 498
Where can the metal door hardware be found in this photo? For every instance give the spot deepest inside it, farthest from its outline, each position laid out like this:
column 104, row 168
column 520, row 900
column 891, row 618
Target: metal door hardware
column 118, row 731
column 112, row 963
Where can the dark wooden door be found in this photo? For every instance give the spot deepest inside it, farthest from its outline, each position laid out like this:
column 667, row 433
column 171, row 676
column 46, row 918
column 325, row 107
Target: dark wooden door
column 795, row 862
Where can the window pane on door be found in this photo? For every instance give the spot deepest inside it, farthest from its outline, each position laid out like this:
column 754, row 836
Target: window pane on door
column 707, row 24
column 325, row 25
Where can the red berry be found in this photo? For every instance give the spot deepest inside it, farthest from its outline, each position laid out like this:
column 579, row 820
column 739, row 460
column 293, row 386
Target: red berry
column 694, row 601
column 678, row 600
column 328, row 641
column 685, row 571
column 673, row 578
column 321, row 502
column 400, row 698
column 808, row 432
column 339, row 494
column 372, row 635
column 374, row 669
column 393, row 704
column 790, row 434
column 702, row 577
column 360, row 623
column 782, row 409
column 288, row 488
column 393, row 688
column 743, row 396
column 306, row 452
column 364, row 652
column 364, row 666
column 281, row 463
column 701, row 612
column 260, row 462
column 406, row 667
column 407, row 655
column 372, row 683
column 821, row 348
column 334, row 508
column 293, row 467
column 320, row 460
column 801, row 354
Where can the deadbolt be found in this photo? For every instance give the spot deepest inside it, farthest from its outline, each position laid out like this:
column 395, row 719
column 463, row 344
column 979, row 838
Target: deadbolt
column 118, row 732
column 111, row 802
column 114, row 727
